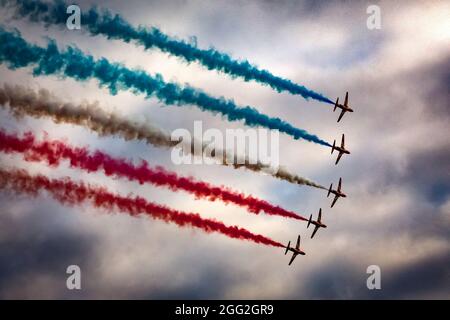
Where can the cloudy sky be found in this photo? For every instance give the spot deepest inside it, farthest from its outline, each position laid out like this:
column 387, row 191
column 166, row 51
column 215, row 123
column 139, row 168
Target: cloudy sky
column 396, row 216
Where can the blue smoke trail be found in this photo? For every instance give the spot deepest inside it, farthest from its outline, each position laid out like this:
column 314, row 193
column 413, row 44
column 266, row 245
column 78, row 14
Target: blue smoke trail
column 115, row 27
column 73, row 63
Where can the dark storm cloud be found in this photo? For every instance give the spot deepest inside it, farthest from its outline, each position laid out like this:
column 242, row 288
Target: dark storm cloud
column 333, row 281
column 293, row 7
column 422, row 278
column 341, row 279
column 429, row 173
column 212, row 284
column 36, row 245
column 427, row 277
column 439, row 97
column 428, row 169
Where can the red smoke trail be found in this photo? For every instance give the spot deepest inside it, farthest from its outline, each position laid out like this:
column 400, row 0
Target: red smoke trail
column 68, row 192
column 55, row 151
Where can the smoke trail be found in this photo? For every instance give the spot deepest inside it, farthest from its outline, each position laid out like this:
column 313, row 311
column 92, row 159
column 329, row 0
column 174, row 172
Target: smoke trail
column 55, row 151
column 293, row 178
column 16, row 53
column 68, row 192
column 115, row 27
column 24, row 101
column 280, row 173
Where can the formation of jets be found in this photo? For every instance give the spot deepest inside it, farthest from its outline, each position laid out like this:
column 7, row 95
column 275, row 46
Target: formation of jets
column 338, row 193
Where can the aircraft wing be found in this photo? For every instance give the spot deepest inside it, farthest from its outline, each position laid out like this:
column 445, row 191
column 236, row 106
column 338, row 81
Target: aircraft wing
column 346, row 99
column 341, row 115
column 298, row 243
column 343, row 141
column 334, row 201
column 339, row 157
column 314, row 232
column 293, row 257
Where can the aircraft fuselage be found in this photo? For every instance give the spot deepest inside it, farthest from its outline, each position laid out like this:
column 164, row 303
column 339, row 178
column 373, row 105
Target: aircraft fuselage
column 342, row 150
column 339, row 194
column 319, row 224
column 348, row 109
column 297, row 251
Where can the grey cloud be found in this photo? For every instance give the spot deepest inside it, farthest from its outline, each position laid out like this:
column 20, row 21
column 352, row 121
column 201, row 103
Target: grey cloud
column 341, row 279
column 36, row 247
column 428, row 278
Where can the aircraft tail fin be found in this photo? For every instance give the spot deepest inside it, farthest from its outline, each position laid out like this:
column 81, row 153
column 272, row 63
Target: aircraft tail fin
column 329, row 190
column 334, row 146
column 336, row 104
column 309, row 221
column 287, row 248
